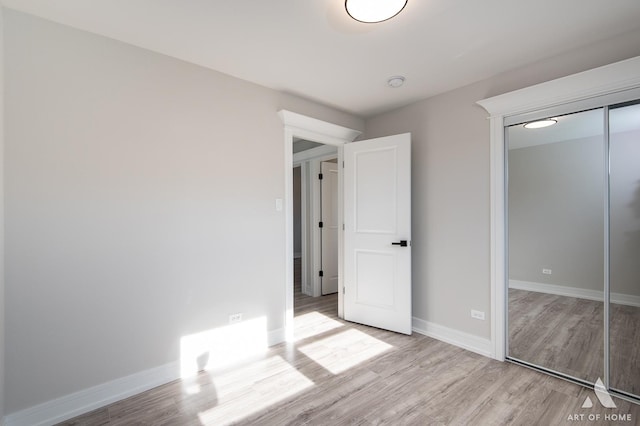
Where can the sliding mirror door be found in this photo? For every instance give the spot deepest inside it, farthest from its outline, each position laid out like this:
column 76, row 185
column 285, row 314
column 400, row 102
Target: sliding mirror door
column 556, row 244
column 624, row 184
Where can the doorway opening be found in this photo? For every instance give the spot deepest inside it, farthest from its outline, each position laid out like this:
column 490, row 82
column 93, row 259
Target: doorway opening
column 315, row 216
column 373, row 225
column 300, row 127
column 315, row 225
column 315, row 232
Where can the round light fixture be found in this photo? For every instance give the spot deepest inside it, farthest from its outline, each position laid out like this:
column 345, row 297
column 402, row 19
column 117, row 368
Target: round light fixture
column 371, row 11
column 540, row 123
column 395, row 81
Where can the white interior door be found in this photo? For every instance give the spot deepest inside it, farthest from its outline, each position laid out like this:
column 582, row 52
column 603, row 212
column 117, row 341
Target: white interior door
column 330, row 224
column 377, row 236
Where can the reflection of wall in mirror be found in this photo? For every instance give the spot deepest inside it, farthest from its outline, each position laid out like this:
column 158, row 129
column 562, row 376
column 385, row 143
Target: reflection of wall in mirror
column 625, row 212
column 556, row 217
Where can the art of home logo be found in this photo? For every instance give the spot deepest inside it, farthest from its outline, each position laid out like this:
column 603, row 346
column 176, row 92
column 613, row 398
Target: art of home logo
column 604, row 398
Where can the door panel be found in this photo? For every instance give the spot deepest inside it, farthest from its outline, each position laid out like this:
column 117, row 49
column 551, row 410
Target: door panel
column 377, row 192
column 329, row 231
column 376, row 197
column 375, row 280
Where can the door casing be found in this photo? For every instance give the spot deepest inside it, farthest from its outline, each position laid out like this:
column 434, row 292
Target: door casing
column 311, row 129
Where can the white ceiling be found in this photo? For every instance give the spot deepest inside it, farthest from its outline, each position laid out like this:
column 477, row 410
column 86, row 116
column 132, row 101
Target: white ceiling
column 313, row 49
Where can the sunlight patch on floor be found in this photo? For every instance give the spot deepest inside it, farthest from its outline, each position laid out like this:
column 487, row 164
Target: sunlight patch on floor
column 313, row 323
column 223, row 346
column 244, row 391
column 345, row 350
column 192, row 389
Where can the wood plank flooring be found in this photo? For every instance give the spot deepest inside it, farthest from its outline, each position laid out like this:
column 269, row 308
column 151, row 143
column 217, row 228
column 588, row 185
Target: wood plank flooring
column 339, row 373
column 566, row 334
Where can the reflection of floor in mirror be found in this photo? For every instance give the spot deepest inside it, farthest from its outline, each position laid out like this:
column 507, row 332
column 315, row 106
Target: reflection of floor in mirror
column 565, row 334
column 625, row 348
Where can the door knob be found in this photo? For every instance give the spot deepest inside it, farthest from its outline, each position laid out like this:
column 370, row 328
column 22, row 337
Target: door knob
column 401, row 243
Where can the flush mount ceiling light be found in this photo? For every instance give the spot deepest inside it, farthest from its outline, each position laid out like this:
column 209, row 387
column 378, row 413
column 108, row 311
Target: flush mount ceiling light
column 371, row 11
column 395, row 81
column 540, row 123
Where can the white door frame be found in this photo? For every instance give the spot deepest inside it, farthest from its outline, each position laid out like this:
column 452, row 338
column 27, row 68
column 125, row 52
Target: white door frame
column 311, row 129
column 584, row 87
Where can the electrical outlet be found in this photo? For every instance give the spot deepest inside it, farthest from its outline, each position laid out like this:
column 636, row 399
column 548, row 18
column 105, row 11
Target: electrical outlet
column 235, row 318
column 479, row 315
column 546, row 271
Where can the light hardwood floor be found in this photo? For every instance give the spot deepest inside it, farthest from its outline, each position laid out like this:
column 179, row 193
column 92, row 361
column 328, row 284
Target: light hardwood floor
column 566, row 334
column 339, row 373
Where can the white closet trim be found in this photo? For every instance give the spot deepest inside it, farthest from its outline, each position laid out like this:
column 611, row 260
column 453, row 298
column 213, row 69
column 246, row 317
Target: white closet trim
column 614, row 78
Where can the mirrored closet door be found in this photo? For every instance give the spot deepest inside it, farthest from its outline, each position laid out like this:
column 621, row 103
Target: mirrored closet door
column 573, row 244
column 624, row 193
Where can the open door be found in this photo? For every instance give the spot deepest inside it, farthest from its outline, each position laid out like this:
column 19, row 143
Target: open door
column 377, row 235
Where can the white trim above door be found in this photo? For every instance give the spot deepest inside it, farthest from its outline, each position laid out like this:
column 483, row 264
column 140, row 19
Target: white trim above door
column 619, row 81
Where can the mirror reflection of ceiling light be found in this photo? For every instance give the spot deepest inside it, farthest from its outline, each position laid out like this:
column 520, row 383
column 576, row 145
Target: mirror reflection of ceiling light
column 540, row 123
column 371, row 11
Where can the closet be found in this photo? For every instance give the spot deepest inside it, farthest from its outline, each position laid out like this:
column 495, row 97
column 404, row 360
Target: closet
column 572, row 241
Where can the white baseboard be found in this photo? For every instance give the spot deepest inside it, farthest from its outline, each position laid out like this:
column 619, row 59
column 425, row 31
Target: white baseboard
column 580, row 293
column 276, row 336
column 461, row 339
column 75, row 404
column 81, row 402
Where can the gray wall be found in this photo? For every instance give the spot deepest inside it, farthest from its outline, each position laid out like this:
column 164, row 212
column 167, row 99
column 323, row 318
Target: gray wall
column 556, row 213
column 139, row 206
column 450, row 155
